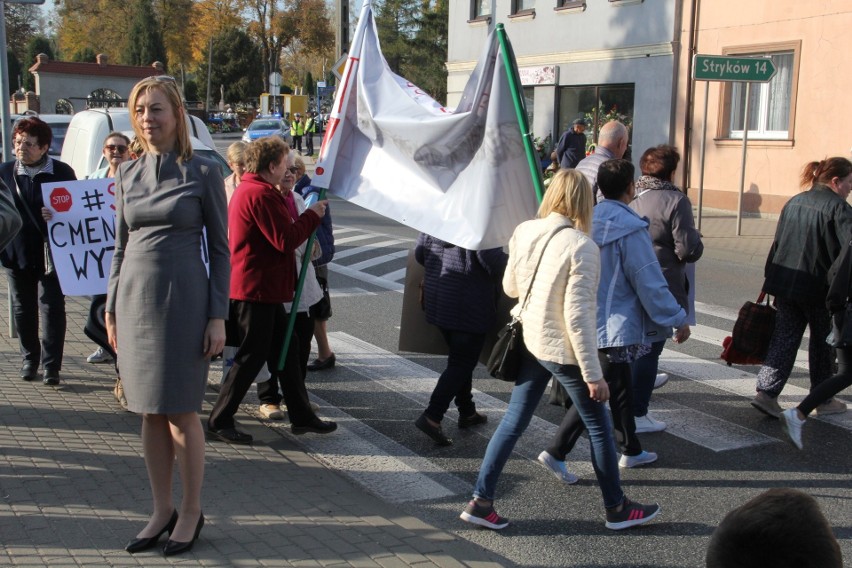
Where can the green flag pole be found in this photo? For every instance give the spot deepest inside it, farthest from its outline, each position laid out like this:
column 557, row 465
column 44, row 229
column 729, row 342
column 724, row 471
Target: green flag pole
column 291, row 320
column 514, row 86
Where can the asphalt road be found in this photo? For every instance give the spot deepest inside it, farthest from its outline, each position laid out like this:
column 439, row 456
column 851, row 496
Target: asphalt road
column 717, row 453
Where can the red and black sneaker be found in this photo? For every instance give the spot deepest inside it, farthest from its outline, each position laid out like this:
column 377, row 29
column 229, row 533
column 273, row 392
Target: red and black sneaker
column 630, row 515
column 484, row 516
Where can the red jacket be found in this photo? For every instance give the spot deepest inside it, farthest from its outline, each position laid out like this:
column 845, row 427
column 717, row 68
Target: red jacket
column 262, row 239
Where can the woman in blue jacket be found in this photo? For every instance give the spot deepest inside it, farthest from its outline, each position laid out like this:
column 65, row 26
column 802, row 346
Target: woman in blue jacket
column 635, row 309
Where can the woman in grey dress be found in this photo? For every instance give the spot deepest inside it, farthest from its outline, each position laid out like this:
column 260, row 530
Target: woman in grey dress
column 165, row 317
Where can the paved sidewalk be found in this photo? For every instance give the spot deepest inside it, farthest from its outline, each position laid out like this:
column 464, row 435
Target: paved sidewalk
column 74, row 487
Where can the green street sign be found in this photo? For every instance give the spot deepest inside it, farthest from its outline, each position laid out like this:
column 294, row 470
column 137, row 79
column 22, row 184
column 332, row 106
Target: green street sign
column 742, row 69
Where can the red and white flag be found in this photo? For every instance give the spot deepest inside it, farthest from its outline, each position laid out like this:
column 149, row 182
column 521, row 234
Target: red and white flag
column 458, row 174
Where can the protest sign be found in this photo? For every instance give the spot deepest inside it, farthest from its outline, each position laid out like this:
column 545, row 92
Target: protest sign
column 81, row 233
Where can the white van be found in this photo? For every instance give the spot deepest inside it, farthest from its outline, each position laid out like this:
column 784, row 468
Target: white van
column 82, row 149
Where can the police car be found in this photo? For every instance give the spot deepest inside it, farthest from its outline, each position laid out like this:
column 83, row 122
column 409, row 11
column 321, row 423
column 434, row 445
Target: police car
column 268, row 126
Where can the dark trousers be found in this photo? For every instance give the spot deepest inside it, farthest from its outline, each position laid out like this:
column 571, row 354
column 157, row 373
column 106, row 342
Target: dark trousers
column 644, row 375
column 295, row 367
column 297, row 143
column 258, row 330
column 33, row 295
column 457, row 379
column 790, row 322
column 830, row 387
column 619, row 378
column 309, row 142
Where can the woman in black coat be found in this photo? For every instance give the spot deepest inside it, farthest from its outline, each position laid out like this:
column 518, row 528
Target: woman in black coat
column 33, row 284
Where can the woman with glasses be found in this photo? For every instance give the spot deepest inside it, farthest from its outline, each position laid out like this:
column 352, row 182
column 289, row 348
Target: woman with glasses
column 116, row 151
column 165, row 316
column 33, row 284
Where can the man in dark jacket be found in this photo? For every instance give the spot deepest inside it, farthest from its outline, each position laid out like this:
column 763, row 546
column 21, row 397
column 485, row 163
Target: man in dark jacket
column 571, row 147
column 33, row 284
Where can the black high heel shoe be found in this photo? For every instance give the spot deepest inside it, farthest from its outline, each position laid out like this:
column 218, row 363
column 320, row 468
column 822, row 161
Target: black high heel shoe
column 174, row 547
column 140, row 544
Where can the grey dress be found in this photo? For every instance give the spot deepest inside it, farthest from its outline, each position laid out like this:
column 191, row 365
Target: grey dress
column 158, row 286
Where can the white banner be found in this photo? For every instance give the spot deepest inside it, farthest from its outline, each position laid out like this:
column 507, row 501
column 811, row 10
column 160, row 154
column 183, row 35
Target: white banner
column 460, row 175
column 81, row 233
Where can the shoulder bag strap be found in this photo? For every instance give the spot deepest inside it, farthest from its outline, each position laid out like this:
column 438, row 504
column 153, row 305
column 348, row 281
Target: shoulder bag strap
column 541, row 256
column 27, row 207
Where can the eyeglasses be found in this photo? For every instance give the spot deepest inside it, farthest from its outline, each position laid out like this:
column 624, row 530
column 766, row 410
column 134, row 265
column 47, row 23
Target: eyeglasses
column 26, row 143
column 293, row 170
column 121, row 149
column 164, row 78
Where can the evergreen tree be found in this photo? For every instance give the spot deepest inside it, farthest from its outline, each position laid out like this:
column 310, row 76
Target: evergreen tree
column 396, row 21
column 14, row 67
column 430, row 51
column 308, row 85
column 413, row 37
column 38, row 44
column 85, row 55
column 236, row 64
column 144, row 39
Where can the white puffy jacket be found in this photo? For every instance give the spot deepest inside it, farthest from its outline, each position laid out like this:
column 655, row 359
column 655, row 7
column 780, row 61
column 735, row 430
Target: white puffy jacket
column 560, row 317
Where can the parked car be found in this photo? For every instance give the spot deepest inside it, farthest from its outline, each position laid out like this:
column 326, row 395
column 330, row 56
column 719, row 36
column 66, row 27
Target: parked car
column 58, row 125
column 87, row 130
column 268, row 126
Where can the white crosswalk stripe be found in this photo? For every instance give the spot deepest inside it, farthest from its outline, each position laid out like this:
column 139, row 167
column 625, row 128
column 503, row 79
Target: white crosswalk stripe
column 399, row 475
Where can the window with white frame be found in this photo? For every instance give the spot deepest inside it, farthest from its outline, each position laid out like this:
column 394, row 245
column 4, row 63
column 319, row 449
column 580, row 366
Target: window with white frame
column 770, row 104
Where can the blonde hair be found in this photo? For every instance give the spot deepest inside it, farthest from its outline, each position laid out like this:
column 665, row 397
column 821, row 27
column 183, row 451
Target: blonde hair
column 299, row 163
column 167, row 86
column 570, row 195
column 236, row 152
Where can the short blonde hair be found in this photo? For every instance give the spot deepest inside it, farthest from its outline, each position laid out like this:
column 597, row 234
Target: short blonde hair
column 168, row 87
column 569, row 194
column 236, row 152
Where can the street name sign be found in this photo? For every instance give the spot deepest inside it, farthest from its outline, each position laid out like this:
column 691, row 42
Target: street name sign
column 740, row 69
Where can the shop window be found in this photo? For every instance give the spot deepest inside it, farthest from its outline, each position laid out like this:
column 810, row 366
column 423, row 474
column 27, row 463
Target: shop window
column 597, row 105
column 771, row 104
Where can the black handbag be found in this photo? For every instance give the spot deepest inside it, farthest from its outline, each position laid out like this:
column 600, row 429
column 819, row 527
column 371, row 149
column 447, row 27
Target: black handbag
column 504, row 363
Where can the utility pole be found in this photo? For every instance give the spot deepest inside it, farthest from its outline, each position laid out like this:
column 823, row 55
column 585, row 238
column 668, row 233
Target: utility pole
column 209, row 70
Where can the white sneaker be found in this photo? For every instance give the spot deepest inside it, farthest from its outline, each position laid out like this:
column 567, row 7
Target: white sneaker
column 645, row 424
column 558, row 468
column 662, row 379
column 99, row 356
column 793, row 426
column 635, row 461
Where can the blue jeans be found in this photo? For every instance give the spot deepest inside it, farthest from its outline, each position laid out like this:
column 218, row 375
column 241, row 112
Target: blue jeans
column 644, row 375
column 456, row 381
column 534, row 376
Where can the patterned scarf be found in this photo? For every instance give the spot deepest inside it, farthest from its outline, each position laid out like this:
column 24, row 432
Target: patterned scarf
column 649, row 183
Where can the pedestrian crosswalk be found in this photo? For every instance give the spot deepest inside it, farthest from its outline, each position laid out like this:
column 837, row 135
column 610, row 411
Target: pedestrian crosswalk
column 398, row 474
